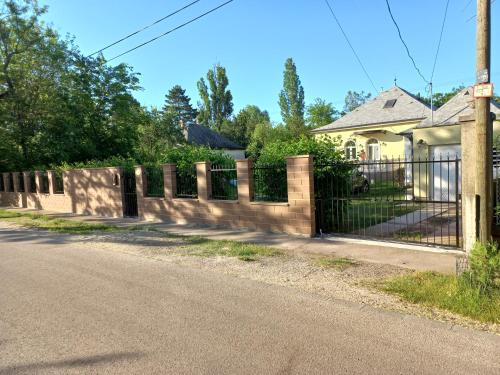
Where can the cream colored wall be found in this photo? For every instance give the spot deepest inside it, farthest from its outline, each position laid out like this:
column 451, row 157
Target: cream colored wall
column 391, row 144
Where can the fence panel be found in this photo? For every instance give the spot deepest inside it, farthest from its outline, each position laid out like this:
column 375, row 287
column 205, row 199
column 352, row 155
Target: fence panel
column 2, row 185
column 10, row 183
column 399, row 200
column 224, row 181
column 186, row 182
column 58, row 182
column 45, row 183
column 154, row 182
column 32, row 182
column 270, row 183
column 20, row 182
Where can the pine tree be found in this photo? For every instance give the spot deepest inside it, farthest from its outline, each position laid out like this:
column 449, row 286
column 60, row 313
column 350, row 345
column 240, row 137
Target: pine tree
column 178, row 106
column 291, row 100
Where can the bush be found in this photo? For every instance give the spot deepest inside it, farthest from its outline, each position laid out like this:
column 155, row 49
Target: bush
column 484, row 272
column 186, row 155
column 114, row 161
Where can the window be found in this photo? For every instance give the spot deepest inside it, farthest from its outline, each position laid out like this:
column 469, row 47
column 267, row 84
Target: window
column 373, row 149
column 390, row 103
column 350, row 150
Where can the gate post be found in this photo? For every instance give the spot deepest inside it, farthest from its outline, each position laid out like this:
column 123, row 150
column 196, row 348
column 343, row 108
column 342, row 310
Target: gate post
column 300, row 183
column 469, row 217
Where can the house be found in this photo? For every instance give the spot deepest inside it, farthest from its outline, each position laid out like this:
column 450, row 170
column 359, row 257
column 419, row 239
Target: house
column 376, row 129
column 200, row 135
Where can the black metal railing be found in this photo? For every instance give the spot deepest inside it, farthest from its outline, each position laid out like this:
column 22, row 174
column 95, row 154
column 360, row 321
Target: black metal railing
column 20, row 182
column 186, row 182
column 2, row 185
column 154, row 182
column 44, row 182
column 269, row 183
column 224, row 181
column 58, row 182
column 10, row 182
column 400, row 200
column 32, row 182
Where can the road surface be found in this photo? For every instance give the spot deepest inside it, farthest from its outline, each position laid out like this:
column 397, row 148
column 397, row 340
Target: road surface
column 65, row 309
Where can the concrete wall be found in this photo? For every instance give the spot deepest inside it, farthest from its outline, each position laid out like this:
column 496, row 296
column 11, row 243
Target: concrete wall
column 295, row 216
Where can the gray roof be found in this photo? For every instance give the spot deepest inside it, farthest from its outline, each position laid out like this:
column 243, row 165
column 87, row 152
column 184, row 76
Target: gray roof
column 201, row 135
column 407, row 107
column 459, row 105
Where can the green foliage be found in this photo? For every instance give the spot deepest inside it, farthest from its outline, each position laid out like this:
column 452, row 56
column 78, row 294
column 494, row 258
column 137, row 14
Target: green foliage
column 186, row 155
column 354, row 99
column 484, row 262
column 114, row 161
column 324, row 149
column 216, row 100
column 241, row 128
column 320, row 113
column 440, row 98
column 291, row 100
column 264, row 134
column 178, row 106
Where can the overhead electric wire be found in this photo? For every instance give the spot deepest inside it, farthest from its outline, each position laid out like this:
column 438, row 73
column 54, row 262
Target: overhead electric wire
column 145, row 27
column 475, row 15
column 350, row 45
column 404, row 43
column 440, row 39
column 171, row 30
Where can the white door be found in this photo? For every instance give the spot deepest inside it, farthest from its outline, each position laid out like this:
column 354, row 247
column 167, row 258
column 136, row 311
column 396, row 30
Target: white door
column 445, row 182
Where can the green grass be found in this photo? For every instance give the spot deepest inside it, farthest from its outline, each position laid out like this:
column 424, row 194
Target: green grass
column 203, row 247
column 446, row 292
column 409, row 235
column 334, row 262
column 53, row 224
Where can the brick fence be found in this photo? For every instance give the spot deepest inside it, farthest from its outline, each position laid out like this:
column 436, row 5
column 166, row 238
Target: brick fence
column 100, row 192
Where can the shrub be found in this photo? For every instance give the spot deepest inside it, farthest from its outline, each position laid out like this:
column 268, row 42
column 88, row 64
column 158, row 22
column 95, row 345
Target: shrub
column 114, row 161
column 484, row 272
column 185, row 156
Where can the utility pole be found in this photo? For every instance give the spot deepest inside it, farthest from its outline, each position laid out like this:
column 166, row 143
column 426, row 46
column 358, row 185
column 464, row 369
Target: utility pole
column 484, row 130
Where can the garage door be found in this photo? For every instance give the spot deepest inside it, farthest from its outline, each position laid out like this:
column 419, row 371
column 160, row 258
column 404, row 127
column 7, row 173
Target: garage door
column 445, row 180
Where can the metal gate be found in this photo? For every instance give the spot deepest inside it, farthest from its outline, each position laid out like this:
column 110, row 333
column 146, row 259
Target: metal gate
column 129, row 194
column 398, row 200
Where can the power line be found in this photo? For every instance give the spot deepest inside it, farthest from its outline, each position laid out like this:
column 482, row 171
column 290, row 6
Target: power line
column 145, row 27
column 474, row 16
column 404, row 43
column 172, row 30
column 350, row 45
column 440, row 38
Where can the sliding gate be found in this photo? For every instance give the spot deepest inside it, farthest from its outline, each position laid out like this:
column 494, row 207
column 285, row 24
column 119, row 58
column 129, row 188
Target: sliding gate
column 398, row 200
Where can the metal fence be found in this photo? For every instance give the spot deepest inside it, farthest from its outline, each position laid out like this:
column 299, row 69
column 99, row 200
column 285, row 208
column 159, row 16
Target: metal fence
column 2, row 187
column 399, row 200
column 224, row 181
column 58, row 182
column 186, row 182
column 20, row 182
column 32, row 182
column 45, row 183
column 10, row 183
column 269, row 183
column 154, row 182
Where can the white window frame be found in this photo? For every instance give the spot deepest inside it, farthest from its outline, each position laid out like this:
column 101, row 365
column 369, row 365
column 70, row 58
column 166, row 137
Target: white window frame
column 350, row 150
column 373, row 147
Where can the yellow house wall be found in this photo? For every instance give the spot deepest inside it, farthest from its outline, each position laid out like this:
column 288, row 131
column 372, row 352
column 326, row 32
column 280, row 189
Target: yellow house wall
column 391, row 144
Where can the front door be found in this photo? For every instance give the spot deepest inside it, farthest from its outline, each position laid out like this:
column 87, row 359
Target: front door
column 129, row 195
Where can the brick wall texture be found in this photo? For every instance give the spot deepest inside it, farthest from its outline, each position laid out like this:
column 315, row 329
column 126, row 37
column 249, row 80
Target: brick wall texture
column 99, row 192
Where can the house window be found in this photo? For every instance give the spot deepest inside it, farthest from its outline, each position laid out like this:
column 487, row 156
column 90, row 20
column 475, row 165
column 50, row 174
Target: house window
column 373, row 149
column 350, row 150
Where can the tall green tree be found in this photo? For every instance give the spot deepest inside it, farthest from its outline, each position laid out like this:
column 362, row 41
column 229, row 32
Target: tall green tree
column 440, row 98
column 354, row 99
column 216, row 104
column 178, row 106
column 320, row 113
column 291, row 100
column 241, row 128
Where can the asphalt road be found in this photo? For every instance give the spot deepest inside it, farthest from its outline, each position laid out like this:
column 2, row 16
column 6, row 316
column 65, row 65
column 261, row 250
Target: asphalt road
column 64, row 309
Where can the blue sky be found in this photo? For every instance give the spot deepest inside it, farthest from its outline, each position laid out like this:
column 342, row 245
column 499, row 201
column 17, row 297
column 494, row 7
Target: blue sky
column 253, row 38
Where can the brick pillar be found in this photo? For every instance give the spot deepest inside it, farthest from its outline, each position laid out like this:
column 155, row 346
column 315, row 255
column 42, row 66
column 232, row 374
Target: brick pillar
column 38, row 179
column 140, row 188
column 169, row 181
column 15, row 178
column 5, row 181
column 203, row 176
column 26, row 182
column 243, row 172
column 51, row 177
column 300, row 182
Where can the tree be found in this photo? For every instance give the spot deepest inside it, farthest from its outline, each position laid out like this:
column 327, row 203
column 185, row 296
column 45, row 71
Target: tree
column 264, row 134
column 440, row 98
column 216, row 100
column 291, row 100
column 178, row 105
column 241, row 128
column 320, row 113
column 354, row 99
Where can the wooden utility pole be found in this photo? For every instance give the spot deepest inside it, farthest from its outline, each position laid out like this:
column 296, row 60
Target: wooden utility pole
column 484, row 129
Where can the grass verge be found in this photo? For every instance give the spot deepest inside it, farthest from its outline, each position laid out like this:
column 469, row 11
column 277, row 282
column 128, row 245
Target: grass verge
column 45, row 222
column 446, row 292
column 334, row 262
